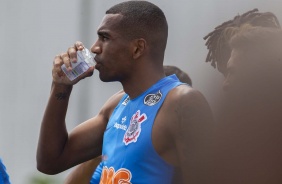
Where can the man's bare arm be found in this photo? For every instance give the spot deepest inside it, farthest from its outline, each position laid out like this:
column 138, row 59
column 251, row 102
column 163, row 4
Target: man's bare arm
column 57, row 150
column 193, row 136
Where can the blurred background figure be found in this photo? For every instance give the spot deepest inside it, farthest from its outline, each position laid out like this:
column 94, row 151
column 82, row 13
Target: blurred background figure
column 182, row 76
column 247, row 50
column 4, row 178
column 84, row 173
column 218, row 40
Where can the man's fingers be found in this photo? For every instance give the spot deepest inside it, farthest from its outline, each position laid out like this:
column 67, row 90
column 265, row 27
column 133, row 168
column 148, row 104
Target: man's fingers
column 88, row 73
column 79, row 45
column 58, row 72
column 57, row 61
column 66, row 60
column 72, row 54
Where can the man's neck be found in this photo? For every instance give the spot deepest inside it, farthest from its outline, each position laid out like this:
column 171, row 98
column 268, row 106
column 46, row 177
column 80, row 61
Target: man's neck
column 137, row 84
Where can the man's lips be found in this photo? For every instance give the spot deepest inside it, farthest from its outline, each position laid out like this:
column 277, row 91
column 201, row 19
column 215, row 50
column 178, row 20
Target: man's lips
column 98, row 63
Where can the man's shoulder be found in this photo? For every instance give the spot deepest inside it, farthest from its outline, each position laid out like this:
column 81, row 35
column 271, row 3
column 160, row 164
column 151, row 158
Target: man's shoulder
column 111, row 103
column 186, row 100
column 183, row 93
column 117, row 96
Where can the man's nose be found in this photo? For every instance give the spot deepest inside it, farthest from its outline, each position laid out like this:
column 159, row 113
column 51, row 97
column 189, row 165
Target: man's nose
column 96, row 49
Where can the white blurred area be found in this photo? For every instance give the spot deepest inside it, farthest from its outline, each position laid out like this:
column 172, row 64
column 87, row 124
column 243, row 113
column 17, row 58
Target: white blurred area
column 33, row 32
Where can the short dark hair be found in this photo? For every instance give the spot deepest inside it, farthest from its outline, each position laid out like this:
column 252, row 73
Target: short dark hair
column 182, row 76
column 142, row 19
column 218, row 40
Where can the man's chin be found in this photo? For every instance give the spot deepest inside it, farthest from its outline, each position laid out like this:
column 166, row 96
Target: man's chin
column 106, row 79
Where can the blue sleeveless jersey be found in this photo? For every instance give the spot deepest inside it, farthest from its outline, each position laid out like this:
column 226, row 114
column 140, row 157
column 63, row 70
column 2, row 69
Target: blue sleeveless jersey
column 95, row 179
column 128, row 152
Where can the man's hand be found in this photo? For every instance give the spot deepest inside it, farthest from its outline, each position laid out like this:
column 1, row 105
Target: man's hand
column 68, row 58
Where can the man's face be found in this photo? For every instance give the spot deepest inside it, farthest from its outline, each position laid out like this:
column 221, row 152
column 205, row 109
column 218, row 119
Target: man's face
column 244, row 73
column 113, row 51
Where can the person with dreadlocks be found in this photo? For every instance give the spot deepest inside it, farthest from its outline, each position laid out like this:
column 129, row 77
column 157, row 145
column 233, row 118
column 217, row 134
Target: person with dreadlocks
column 247, row 50
column 217, row 41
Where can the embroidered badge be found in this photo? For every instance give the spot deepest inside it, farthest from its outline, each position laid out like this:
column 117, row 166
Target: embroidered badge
column 134, row 129
column 152, row 99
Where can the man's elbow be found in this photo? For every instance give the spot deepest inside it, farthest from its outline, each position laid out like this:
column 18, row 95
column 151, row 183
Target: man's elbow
column 48, row 167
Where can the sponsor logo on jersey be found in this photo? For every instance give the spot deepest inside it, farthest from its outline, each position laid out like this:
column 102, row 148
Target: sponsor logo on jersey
column 125, row 102
column 133, row 131
column 152, row 99
column 123, row 119
column 122, row 125
column 110, row 176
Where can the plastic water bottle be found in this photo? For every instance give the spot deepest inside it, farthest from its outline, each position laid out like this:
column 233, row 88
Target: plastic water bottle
column 84, row 61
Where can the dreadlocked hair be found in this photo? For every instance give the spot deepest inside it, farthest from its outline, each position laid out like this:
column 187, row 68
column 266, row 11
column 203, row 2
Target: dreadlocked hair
column 217, row 41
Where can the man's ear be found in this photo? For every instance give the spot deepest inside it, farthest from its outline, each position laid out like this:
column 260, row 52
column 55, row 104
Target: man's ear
column 139, row 48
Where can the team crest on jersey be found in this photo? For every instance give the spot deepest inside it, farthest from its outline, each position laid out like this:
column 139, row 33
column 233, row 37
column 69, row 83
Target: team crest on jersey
column 125, row 102
column 152, row 99
column 133, row 131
